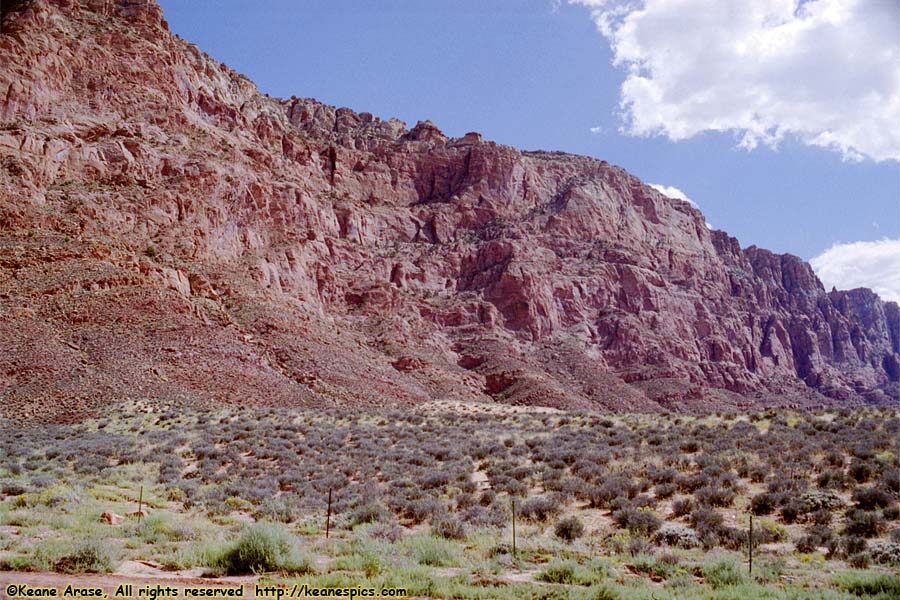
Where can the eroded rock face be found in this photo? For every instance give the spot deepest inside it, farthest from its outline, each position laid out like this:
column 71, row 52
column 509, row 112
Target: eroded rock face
column 168, row 232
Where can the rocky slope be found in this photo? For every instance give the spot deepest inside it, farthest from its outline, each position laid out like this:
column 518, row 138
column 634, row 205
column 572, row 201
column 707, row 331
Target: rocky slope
column 167, row 232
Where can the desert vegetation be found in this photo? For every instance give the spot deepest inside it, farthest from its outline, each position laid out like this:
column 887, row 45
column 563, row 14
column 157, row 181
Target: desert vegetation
column 423, row 498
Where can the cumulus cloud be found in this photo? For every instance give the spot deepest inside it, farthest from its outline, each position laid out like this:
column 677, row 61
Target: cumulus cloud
column 596, row 130
column 824, row 71
column 874, row 265
column 672, row 192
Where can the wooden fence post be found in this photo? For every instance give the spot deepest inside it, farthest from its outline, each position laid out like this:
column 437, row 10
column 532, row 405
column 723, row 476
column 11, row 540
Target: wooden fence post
column 328, row 516
column 514, row 527
column 750, row 544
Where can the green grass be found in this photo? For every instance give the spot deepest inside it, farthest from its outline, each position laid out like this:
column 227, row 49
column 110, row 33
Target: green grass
column 868, row 584
column 568, row 572
column 262, row 548
column 89, row 555
column 20, row 562
column 365, row 556
column 206, row 553
column 430, row 551
column 723, row 572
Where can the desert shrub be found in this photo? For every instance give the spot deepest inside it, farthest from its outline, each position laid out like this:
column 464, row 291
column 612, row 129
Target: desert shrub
column 689, row 446
column 823, row 516
column 859, row 560
column 665, row 475
column 832, row 478
column 763, row 504
column 869, row 584
column 808, row 543
column 682, row 507
column 731, row 538
column 784, row 487
column 834, row 458
column 42, row 481
column 704, row 518
column 847, row 545
column 369, row 513
column 723, row 573
column 448, row 527
column 639, row 545
column 643, row 501
column 89, row 464
column 860, row 471
column 885, row 553
column 18, row 562
column 814, row 500
column 521, row 473
column 390, row 532
column 713, row 495
column 641, row 522
column 435, row 479
column 87, row 556
column 663, row 567
column 11, row 487
column 569, row 529
column 620, row 503
column 540, row 509
column 570, row 487
column 158, row 528
column 487, row 497
column 510, row 486
column 890, row 479
column 769, row 569
column 431, row 551
column 496, row 515
column 281, row 509
column 758, row 473
column 790, row 511
column 264, row 547
column 864, row 523
column 664, row 490
column 617, row 486
column 822, row 533
column 891, row 513
column 418, row 511
column 870, row 498
column 561, row 572
column 677, row 534
column 690, row 482
column 464, row 500
column 767, row 532
column 669, row 559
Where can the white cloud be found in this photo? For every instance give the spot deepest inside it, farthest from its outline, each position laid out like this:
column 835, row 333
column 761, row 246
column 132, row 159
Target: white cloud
column 672, row 192
column 825, row 71
column 874, row 265
column 596, row 130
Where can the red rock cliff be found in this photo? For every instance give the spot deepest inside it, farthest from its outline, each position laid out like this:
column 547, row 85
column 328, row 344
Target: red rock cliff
column 168, row 232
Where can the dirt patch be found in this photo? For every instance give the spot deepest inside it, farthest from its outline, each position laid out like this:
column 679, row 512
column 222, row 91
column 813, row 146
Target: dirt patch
column 149, row 568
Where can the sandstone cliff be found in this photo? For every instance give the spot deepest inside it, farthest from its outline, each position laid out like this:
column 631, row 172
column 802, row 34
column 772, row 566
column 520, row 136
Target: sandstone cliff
column 168, row 232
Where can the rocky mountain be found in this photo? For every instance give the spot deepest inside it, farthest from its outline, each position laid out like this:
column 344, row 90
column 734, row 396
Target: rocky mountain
column 168, row 232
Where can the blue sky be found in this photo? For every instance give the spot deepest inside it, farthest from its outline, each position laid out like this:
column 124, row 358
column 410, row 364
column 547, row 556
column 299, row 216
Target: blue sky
column 780, row 151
